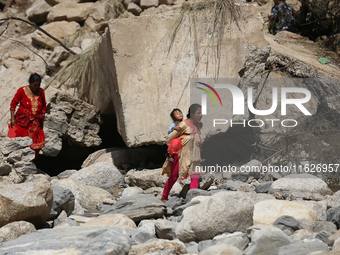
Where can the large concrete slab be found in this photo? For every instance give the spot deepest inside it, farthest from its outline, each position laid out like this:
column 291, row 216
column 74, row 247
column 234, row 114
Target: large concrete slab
column 153, row 80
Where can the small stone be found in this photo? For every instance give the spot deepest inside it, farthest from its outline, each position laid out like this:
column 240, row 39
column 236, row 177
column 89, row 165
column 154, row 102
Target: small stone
column 134, row 9
column 144, row 4
column 202, row 245
column 287, row 221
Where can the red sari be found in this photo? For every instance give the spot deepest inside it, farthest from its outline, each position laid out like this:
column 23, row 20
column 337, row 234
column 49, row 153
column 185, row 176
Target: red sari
column 30, row 116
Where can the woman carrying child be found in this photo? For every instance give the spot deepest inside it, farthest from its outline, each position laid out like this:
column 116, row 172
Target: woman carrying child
column 185, row 162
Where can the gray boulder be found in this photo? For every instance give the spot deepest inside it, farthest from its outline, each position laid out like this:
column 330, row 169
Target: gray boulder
column 139, row 207
column 287, row 221
column 263, row 188
column 267, row 241
column 76, row 240
column 305, row 183
column 303, row 248
column 15, row 229
column 158, row 246
column 237, row 239
column 131, row 191
column 9, row 145
column 225, row 211
column 323, row 236
column 334, row 200
column 325, row 226
column 307, row 224
column 221, row 249
column 148, row 226
column 142, row 237
column 333, row 215
column 179, row 210
column 63, row 200
column 37, row 13
column 165, row 229
column 101, row 175
column 232, row 185
column 146, row 179
column 202, row 245
column 29, row 201
column 196, row 192
column 88, row 197
column 74, row 119
column 63, row 220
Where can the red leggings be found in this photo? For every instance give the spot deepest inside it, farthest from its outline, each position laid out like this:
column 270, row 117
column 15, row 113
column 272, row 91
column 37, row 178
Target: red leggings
column 174, row 176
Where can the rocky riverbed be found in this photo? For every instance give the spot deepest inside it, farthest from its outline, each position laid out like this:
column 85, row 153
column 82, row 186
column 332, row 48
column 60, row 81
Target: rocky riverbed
column 98, row 210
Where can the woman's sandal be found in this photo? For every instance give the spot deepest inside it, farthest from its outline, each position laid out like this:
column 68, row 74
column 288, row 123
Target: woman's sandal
column 164, row 200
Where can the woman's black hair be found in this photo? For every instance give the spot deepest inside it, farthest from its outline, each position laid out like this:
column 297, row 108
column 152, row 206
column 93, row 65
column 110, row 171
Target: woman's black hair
column 34, row 77
column 172, row 114
column 192, row 109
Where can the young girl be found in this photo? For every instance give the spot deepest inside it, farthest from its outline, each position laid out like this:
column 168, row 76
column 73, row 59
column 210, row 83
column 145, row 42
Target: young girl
column 175, row 145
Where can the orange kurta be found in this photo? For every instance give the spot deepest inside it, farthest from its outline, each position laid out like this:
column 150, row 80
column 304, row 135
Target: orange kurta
column 30, row 116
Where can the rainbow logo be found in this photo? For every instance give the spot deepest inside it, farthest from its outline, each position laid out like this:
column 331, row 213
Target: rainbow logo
column 209, row 93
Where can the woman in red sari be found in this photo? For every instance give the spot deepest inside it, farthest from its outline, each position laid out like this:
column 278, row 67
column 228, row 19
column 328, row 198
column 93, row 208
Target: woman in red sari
column 28, row 120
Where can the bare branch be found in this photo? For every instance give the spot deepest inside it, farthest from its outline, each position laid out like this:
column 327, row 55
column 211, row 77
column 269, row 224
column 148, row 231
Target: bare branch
column 15, row 41
column 42, row 30
column 4, row 29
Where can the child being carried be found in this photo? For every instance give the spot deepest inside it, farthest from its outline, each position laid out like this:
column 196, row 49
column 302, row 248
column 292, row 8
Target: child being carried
column 175, row 144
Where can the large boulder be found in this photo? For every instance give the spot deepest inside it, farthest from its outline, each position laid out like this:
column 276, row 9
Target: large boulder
column 305, row 183
column 69, row 11
column 146, row 178
column 87, row 196
column 131, row 191
column 320, row 208
column 312, row 247
column 73, row 119
column 267, row 241
column 221, row 249
column 29, row 201
column 63, row 200
column 15, row 229
column 98, row 86
column 334, row 200
column 237, row 239
column 157, row 78
column 268, row 211
column 99, row 17
column 73, row 240
column 225, row 211
column 158, row 246
column 111, row 220
column 58, row 29
column 138, row 207
column 15, row 159
column 101, row 175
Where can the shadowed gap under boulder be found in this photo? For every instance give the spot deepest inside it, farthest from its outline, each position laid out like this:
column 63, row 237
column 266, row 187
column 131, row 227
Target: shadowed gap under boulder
column 72, row 157
column 231, row 147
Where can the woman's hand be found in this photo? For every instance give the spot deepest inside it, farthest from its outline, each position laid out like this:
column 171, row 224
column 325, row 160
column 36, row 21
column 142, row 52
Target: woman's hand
column 177, row 128
column 13, row 122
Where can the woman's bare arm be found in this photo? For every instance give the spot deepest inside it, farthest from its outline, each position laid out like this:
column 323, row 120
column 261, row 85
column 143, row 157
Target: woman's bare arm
column 12, row 118
column 176, row 133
